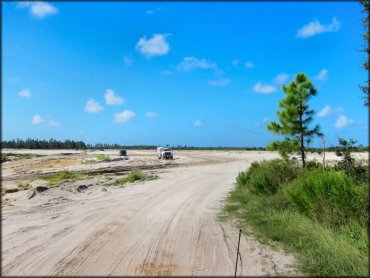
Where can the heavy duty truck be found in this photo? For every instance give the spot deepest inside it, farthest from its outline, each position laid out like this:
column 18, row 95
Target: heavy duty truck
column 164, row 153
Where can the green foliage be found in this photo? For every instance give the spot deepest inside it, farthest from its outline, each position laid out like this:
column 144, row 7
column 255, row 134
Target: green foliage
column 318, row 213
column 103, row 157
column 295, row 118
column 63, row 176
column 133, row 176
column 358, row 171
column 328, row 196
column 268, row 176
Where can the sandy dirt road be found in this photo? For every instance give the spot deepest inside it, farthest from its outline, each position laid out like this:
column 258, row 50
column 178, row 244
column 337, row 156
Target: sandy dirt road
column 161, row 227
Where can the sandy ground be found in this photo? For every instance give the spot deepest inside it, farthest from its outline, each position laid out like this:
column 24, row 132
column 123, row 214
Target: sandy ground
column 161, row 227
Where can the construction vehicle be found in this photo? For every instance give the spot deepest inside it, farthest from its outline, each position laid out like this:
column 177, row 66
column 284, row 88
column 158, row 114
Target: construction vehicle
column 164, row 153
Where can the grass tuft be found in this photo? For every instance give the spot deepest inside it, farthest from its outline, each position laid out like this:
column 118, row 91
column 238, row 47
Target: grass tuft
column 60, row 177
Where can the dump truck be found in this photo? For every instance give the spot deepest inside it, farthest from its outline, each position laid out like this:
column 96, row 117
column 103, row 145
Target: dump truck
column 164, row 153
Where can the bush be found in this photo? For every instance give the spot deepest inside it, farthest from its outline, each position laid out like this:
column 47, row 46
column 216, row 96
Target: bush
column 132, row 177
column 268, row 176
column 328, row 196
column 103, row 157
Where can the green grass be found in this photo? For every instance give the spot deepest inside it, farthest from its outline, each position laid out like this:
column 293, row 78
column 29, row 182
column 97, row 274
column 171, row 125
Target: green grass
column 89, row 161
column 133, row 176
column 320, row 216
column 103, row 157
column 60, row 177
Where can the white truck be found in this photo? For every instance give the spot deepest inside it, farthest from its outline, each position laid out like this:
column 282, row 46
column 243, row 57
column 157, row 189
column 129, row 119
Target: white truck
column 164, row 153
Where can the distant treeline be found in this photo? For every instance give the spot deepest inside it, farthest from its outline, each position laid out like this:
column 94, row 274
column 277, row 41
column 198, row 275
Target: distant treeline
column 80, row 145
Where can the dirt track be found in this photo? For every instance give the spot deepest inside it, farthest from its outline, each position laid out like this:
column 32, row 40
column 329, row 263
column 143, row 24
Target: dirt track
column 159, row 227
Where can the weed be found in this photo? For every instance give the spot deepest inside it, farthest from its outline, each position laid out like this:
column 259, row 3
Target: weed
column 133, row 176
column 59, row 177
column 103, row 157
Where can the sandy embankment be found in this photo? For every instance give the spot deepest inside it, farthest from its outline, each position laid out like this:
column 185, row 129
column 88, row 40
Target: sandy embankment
column 160, row 227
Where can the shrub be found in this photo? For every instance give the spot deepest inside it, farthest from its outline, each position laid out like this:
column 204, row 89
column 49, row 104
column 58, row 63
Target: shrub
column 59, row 177
column 328, row 196
column 132, row 177
column 103, row 157
column 268, row 176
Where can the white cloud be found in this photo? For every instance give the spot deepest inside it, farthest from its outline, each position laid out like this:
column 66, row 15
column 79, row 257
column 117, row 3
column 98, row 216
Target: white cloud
column 155, row 46
column 249, row 65
column 343, row 121
column 322, row 75
column 128, row 60
column 53, row 123
column 219, row 82
column 39, row 9
column 235, row 62
column 264, row 89
column 324, row 112
column 93, row 106
column 37, row 119
column 315, row 27
column 112, row 99
column 151, row 114
column 198, row 123
column 192, row 63
column 124, row 116
column 327, row 110
column 25, row 93
column 281, row 78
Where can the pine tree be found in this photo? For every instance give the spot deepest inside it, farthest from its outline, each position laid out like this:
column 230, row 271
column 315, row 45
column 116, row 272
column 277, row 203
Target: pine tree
column 295, row 117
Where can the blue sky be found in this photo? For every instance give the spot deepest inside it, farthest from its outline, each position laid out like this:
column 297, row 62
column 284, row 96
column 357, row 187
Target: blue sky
column 182, row 73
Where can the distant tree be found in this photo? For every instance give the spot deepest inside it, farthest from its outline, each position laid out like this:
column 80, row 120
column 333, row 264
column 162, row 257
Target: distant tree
column 294, row 119
column 365, row 22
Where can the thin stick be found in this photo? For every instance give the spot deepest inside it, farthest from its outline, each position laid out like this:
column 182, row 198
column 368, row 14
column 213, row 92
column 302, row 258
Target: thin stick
column 237, row 254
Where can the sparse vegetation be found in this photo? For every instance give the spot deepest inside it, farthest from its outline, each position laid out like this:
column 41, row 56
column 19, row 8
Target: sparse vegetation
column 133, row 176
column 318, row 213
column 89, row 161
column 60, row 177
column 103, row 157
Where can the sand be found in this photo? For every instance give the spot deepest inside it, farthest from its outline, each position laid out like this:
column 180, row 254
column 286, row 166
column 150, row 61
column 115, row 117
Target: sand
column 167, row 226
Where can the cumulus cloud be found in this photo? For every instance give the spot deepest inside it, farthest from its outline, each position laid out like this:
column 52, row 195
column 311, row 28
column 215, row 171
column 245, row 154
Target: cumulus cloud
column 93, row 106
column 235, row 62
column 128, row 60
column 112, row 99
column 264, row 89
column 315, row 27
column 124, row 116
column 25, row 93
column 193, row 63
column 155, row 46
column 343, row 121
column 322, row 75
column 39, row 9
column 219, row 82
column 324, row 112
column 198, row 123
column 249, row 65
column 37, row 119
column 151, row 114
column 53, row 123
column 281, row 78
